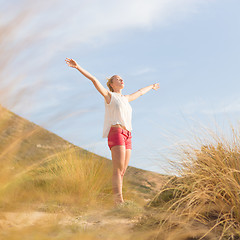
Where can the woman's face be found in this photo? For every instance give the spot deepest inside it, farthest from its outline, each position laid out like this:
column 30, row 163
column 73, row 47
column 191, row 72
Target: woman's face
column 117, row 83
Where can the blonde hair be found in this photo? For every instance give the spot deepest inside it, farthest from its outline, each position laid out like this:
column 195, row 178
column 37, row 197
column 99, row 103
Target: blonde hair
column 110, row 81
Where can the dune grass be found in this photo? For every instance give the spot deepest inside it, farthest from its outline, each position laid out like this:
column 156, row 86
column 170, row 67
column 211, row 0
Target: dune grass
column 203, row 202
column 64, row 178
column 68, row 182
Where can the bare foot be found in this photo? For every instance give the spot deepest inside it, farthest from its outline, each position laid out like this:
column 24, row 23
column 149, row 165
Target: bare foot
column 118, row 203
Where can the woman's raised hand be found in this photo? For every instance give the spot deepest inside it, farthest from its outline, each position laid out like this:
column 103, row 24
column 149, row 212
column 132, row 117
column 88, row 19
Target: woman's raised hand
column 155, row 86
column 71, row 63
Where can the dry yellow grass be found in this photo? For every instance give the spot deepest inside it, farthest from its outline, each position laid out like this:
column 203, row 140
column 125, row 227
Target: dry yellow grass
column 205, row 197
column 65, row 177
column 38, row 197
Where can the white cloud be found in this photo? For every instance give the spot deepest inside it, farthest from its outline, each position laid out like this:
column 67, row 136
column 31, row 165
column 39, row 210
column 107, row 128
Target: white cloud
column 194, row 107
column 67, row 24
column 142, row 71
column 224, row 106
column 97, row 20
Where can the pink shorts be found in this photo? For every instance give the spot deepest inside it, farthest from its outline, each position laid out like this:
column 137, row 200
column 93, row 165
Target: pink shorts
column 119, row 136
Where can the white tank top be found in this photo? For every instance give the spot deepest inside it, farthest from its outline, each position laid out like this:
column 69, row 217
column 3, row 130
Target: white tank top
column 118, row 111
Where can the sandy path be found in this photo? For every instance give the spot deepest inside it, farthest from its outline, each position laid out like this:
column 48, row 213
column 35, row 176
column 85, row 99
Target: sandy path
column 93, row 220
column 25, row 219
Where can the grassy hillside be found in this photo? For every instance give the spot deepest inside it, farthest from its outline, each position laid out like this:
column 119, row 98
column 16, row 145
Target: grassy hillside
column 52, row 189
column 26, row 147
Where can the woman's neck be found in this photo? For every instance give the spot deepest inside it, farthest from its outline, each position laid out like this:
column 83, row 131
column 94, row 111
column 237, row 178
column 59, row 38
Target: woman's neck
column 119, row 91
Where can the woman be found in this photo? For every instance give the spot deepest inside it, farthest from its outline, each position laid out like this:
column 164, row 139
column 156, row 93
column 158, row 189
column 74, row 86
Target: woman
column 117, row 123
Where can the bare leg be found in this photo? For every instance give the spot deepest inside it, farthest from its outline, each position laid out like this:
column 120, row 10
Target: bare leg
column 118, row 159
column 127, row 158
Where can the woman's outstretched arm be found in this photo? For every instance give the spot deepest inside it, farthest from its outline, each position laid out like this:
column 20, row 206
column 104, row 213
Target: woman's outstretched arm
column 72, row 63
column 142, row 91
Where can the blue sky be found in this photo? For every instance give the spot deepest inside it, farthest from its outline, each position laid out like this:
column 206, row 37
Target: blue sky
column 190, row 47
